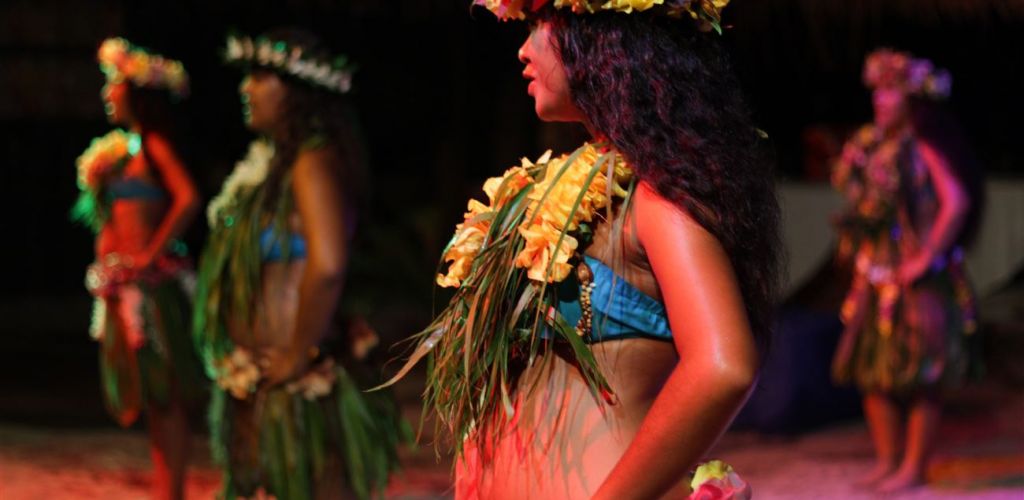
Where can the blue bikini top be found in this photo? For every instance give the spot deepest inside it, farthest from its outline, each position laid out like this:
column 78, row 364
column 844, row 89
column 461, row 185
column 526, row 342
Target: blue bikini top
column 272, row 250
column 620, row 310
column 133, row 188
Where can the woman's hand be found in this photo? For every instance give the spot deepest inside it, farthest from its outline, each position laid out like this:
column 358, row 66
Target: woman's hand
column 141, row 260
column 281, row 364
column 184, row 197
column 914, row 268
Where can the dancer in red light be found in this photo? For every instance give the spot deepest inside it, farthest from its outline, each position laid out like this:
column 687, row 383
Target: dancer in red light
column 138, row 197
column 609, row 301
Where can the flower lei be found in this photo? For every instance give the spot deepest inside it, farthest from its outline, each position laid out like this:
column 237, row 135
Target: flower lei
column 551, row 212
column 249, row 173
column 868, row 174
column 707, row 12
column 105, row 157
column 333, row 75
column 120, row 60
column 238, row 374
column 507, row 262
column 888, row 68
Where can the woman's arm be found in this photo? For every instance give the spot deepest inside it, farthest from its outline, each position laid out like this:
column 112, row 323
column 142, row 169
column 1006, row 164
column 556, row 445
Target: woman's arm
column 182, row 191
column 953, row 206
column 320, row 203
column 718, row 357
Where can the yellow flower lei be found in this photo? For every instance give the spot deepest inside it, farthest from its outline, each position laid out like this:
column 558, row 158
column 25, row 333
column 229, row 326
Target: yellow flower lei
column 551, row 203
column 103, row 156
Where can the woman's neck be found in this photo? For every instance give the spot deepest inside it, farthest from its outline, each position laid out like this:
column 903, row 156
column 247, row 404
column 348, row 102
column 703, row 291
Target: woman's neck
column 896, row 131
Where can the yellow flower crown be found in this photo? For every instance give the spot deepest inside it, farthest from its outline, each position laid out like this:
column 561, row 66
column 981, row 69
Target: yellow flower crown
column 707, row 12
column 121, row 61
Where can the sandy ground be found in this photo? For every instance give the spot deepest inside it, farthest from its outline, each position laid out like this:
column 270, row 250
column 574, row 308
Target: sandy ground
column 42, row 463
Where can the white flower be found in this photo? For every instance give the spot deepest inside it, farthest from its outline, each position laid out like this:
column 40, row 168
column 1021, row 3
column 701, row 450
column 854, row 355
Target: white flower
column 316, row 383
column 250, row 172
column 238, row 374
column 99, row 319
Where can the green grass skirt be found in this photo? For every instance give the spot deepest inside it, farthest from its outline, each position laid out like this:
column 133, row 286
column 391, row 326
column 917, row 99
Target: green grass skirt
column 164, row 369
column 293, row 447
column 907, row 348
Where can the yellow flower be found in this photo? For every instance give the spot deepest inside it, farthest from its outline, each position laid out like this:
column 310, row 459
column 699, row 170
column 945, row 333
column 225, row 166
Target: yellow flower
column 540, row 249
column 504, row 9
column 467, row 244
column 714, row 469
column 544, row 223
column 628, row 6
column 551, row 211
column 470, row 234
column 514, row 180
column 238, row 374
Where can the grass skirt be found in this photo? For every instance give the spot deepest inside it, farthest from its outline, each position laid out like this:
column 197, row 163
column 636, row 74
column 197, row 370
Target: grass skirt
column 291, row 442
column 146, row 354
column 903, row 341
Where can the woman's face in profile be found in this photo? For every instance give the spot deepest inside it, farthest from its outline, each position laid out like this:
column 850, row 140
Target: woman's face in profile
column 890, row 105
column 549, row 85
column 263, row 95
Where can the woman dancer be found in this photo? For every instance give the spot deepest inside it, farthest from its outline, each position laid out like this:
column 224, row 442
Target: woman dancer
column 604, row 328
column 288, row 418
column 138, row 197
column 910, row 310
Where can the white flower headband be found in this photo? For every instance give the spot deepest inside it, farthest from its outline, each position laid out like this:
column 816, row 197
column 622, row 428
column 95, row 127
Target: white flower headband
column 335, row 76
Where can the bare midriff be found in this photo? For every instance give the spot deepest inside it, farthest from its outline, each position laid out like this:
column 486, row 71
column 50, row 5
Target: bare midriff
column 132, row 222
column 276, row 308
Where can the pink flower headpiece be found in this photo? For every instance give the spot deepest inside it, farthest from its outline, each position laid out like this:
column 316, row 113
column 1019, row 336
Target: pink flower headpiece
column 886, row 68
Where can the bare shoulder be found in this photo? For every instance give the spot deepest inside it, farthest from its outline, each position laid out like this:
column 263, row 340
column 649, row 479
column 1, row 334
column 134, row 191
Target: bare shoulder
column 657, row 217
column 323, row 159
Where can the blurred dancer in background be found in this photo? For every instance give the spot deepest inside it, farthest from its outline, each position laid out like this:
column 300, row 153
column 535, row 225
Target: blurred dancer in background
column 913, row 198
column 288, row 418
column 138, row 197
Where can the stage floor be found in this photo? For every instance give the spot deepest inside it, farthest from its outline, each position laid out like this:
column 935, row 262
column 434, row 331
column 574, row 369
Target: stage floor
column 980, row 456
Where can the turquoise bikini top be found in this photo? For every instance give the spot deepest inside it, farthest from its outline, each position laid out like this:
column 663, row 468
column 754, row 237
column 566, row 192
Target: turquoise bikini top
column 133, row 188
column 272, row 250
column 620, row 310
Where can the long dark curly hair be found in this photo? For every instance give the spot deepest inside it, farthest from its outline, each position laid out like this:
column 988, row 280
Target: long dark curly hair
column 313, row 115
column 664, row 94
column 155, row 110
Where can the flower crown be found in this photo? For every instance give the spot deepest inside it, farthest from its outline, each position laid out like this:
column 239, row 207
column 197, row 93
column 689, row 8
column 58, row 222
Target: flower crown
column 889, row 68
column 121, row 61
column 333, row 75
column 707, row 12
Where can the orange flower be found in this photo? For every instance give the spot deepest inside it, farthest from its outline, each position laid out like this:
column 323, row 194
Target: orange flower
column 546, row 221
column 551, row 211
column 470, row 234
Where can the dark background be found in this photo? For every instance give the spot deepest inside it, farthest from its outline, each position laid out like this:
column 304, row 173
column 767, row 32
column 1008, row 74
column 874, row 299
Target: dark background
column 442, row 105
